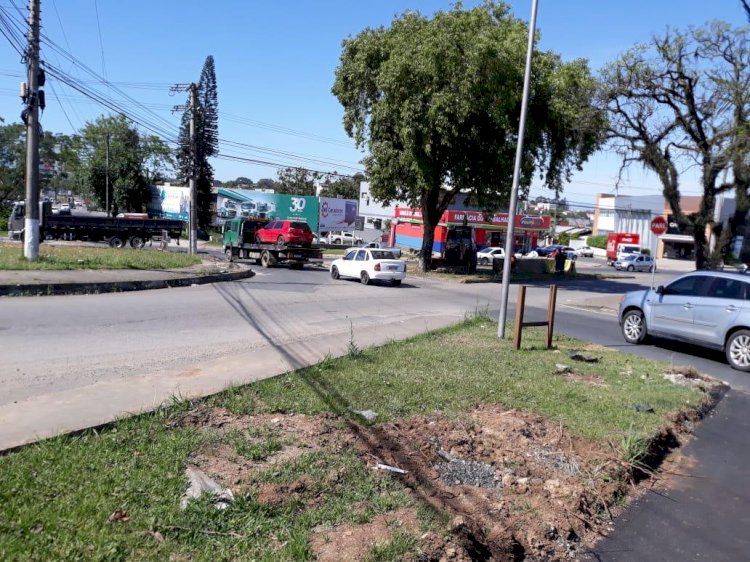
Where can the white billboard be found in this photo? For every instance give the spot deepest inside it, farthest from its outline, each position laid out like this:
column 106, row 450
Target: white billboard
column 337, row 214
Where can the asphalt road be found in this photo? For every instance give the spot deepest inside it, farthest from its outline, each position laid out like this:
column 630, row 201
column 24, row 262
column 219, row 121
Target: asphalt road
column 76, row 361
column 130, row 351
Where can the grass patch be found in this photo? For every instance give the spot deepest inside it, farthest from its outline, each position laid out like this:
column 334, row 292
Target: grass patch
column 87, row 257
column 56, row 497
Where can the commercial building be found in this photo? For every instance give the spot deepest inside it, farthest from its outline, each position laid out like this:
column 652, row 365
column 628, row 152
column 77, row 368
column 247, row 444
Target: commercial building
column 633, row 214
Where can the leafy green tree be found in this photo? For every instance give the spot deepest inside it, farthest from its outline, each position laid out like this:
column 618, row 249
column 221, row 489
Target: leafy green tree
column 267, row 183
column 682, row 101
column 113, row 147
column 297, row 181
column 341, row 187
column 57, row 157
column 207, row 141
column 437, row 104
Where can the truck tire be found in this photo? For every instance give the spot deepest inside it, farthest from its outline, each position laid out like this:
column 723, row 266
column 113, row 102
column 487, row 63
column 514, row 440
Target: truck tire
column 229, row 254
column 267, row 259
column 116, row 242
column 137, row 242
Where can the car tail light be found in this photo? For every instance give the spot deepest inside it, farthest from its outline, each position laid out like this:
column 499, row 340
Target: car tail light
column 377, row 267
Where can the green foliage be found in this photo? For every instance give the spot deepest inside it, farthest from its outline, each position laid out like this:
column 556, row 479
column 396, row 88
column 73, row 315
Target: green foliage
column 645, row 251
column 681, row 99
column 436, row 102
column 207, row 141
column 598, row 241
column 343, row 187
column 564, row 239
column 56, row 155
column 297, row 181
column 118, row 155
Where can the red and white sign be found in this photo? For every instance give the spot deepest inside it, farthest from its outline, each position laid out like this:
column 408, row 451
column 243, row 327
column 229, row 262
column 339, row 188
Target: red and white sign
column 474, row 218
column 659, row 225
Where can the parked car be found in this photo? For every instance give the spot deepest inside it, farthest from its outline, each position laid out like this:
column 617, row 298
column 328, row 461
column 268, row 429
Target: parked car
column 285, row 232
column 343, row 238
column 635, row 262
column 585, row 252
column 382, row 246
column 367, row 265
column 707, row 308
column 485, row 256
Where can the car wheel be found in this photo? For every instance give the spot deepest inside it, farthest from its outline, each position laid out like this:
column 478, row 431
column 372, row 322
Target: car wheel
column 365, row 278
column 280, row 241
column 335, row 272
column 738, row 350
column 395, row 282
column 337, row 241
column 484, row 261
column 631, row 268
column 634, row 327
column 229, row 254
column 651, row 269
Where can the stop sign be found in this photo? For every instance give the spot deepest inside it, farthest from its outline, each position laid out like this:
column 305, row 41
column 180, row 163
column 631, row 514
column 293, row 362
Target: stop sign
column 659, row 225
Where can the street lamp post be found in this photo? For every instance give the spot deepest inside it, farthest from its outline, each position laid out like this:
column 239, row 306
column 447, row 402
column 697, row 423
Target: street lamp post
column 516, row 176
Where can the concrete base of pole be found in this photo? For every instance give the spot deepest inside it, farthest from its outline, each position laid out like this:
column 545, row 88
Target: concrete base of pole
column 31, row 239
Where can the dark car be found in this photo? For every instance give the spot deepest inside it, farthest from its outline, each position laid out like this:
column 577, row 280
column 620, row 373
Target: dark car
column 285, row 232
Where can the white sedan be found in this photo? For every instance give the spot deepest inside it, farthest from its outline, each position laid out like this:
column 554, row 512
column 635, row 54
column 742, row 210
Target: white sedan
column 369, row 265
column 486, row 255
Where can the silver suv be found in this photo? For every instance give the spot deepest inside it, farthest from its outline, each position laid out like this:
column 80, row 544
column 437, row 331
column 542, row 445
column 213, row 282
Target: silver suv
column 708, row 308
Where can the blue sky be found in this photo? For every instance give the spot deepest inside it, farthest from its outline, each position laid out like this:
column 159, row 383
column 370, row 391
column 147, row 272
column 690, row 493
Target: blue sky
column 275, row 63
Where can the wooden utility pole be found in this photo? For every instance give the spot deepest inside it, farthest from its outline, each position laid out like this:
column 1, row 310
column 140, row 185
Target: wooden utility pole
column 31, row 118
column 193, row 171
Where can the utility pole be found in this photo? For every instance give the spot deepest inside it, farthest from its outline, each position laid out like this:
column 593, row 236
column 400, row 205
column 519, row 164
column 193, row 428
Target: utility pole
column 193, row 171
column 31, row 118
column 192, row 180
column 516, row 177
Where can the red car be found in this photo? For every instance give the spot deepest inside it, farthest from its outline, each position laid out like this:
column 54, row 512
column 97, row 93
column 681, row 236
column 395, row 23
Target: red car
column 285, row 232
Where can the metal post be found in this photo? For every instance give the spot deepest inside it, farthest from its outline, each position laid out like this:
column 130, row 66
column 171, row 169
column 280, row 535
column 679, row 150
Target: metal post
column 193, row 242
column 31, row 219
column 516, row 176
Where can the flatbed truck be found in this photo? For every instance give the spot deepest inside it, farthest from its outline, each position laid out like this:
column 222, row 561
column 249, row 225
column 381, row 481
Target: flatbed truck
column 117, row 232
column 240, row 244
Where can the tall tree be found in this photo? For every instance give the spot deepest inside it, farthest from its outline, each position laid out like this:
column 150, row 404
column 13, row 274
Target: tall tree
column 437, row 104
column 297, row 181
column 207, row 140
column 682, row 101
column 133, row 162
column 343, row 187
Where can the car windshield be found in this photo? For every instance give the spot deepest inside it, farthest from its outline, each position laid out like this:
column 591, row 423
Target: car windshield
column 630, row 257
column 382, row 255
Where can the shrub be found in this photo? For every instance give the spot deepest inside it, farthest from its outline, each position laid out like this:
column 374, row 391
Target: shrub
column 598, row 241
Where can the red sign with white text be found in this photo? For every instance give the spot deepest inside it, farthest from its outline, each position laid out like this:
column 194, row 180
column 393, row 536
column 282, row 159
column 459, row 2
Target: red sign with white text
column 527, row 222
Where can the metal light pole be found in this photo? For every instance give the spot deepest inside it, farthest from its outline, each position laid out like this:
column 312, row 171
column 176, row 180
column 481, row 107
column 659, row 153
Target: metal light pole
column 106, row 177
column 516, row 176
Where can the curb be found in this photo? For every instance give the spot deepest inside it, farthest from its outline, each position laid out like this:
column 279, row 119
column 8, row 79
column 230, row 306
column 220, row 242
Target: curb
column 49, row 289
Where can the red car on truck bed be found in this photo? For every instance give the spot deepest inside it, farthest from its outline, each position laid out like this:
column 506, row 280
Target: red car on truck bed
column 285, row 232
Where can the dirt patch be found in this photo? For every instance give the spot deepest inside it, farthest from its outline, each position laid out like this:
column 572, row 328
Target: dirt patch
column 593, row 380
column 349, row 543
column 516, row 485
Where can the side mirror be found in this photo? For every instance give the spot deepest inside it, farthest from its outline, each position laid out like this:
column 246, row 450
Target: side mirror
column 660, row 290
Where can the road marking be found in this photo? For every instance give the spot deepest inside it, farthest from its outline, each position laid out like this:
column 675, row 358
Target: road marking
column 603, row 311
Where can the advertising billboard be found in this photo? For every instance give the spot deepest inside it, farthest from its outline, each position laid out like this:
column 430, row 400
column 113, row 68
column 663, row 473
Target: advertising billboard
column 231, row 203
column 337, row 214
column 170, row 202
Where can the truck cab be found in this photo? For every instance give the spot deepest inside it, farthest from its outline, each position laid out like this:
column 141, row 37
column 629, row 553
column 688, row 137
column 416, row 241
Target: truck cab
column 239, row 231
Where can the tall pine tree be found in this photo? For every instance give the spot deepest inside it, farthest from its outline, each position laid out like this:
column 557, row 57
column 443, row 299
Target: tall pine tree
column 207, row 141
